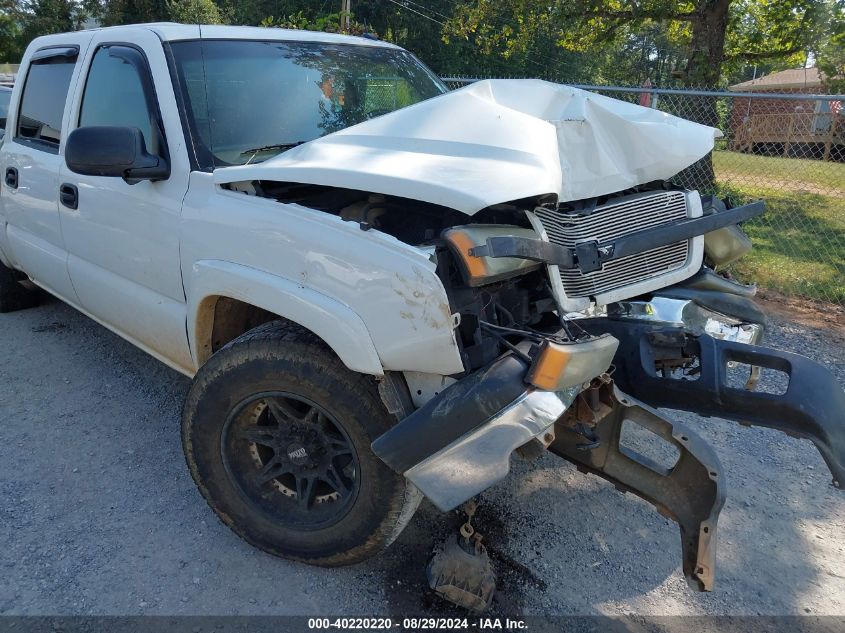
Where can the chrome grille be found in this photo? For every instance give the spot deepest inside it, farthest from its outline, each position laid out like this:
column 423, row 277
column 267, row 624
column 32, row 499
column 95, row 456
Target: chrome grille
column 611, row 220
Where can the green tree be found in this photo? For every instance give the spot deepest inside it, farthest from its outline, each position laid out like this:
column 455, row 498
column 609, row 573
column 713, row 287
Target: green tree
column 11, row 33
column 114, row 12
column 42, row 17
column 255, row 12
column 830, row 49
column 330, row 23
column 712, row 33
column 194, row 11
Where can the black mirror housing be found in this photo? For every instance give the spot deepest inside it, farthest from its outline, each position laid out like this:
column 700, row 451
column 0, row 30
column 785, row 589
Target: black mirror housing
column 113, row 152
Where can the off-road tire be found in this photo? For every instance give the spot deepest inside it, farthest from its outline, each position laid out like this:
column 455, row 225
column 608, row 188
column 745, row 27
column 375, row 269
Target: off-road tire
column 13, row 295
column 281, row 356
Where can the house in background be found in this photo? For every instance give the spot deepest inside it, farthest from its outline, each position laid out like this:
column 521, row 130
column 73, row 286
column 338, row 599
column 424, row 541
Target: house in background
column 803, row 128
column 8, row 73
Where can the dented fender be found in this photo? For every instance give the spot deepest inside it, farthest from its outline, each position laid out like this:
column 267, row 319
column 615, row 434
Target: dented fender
column 366, row 285
column 340, row 327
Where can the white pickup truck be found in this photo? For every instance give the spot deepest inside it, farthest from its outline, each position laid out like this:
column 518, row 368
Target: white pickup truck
column 380, row 288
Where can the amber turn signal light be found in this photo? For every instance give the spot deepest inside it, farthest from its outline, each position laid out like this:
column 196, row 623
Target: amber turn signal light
column 548, row 367
column 562, row 365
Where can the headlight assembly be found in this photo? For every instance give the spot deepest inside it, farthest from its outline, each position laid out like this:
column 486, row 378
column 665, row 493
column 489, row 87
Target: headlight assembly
column 478, row 271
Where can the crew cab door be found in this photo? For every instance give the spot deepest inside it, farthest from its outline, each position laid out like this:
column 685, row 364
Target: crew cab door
column 31, row 160
column 122, row 239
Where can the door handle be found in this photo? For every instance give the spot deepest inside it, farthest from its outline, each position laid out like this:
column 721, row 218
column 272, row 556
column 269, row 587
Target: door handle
column 69, row 195
column 12, row 177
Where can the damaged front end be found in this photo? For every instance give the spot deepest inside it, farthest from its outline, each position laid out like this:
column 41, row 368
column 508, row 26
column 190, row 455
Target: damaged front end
column 644, row 340
column 459, row 443
column 582, row 293
column 558, row 396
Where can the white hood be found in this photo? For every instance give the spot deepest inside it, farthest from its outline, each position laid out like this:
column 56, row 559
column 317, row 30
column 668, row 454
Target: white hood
column 496, row 141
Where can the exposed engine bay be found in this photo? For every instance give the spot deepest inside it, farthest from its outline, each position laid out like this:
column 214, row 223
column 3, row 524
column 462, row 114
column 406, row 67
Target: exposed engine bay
column 521, row 293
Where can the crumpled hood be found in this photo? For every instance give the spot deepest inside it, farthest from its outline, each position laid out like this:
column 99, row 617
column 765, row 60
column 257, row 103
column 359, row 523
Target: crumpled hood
column 496, row 141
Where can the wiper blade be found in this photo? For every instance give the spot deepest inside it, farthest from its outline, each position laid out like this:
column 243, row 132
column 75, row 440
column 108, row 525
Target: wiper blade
column 270, row 148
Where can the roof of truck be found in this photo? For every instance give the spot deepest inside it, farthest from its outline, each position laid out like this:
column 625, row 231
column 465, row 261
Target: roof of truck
column 171, row 31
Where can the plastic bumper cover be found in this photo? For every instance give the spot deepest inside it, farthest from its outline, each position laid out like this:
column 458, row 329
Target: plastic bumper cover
column 812, row 406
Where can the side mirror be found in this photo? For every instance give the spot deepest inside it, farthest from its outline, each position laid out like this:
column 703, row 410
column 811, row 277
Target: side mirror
column 113, row 151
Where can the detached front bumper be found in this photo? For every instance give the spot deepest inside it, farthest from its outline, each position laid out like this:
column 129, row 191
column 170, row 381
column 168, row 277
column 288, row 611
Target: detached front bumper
column 812, row 406
column 459, row 443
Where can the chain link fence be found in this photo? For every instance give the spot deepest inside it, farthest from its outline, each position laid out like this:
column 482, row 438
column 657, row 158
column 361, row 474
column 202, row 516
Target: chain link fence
column 788, row 149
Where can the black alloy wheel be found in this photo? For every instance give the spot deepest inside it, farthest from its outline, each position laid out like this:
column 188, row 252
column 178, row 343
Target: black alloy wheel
column 291, row 460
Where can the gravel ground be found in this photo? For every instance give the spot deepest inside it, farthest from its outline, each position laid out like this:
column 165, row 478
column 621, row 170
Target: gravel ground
column 99, row 515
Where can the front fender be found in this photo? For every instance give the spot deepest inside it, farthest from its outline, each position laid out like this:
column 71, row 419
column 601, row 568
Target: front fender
column 341, row 328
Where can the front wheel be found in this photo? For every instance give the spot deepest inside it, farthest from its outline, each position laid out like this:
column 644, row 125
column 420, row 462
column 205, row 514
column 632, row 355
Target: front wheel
column 277, row 433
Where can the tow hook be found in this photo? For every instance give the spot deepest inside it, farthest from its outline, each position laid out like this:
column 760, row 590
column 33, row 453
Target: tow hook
column 460, row 569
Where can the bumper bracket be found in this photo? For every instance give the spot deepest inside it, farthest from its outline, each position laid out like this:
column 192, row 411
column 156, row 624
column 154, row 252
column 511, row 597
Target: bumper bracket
column 691, row 492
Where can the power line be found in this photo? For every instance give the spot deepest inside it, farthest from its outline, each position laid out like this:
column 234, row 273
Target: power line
column 412, row 10
column 422, row 6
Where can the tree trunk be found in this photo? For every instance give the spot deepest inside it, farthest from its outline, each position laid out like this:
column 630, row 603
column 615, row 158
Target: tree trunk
column 703, row 71
column 704, row 65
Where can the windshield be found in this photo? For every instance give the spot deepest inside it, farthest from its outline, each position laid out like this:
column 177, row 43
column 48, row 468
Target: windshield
column 247, row 101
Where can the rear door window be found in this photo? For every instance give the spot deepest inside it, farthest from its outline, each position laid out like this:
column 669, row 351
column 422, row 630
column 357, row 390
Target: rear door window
column 43, row 103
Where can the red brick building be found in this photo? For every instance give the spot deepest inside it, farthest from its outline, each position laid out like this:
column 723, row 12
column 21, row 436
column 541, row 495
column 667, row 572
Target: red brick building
column 806, row 128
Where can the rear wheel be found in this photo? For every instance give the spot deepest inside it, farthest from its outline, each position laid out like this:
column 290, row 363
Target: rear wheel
column 13, row 295
column 277, row 432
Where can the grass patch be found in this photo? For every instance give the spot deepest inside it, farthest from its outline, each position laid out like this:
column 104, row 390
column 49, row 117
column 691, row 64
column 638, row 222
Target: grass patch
column 792, row 173
column 799, row 244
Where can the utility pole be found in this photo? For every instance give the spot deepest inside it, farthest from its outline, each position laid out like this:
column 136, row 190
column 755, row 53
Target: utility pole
column 345, row 14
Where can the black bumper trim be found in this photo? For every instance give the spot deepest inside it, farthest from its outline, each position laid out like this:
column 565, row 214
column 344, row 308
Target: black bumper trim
column 666, row 234
column 589, row 256
column 526, row 248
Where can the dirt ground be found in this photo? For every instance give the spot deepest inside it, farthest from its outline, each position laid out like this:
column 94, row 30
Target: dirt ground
column 98, row 514
column 815, row 315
